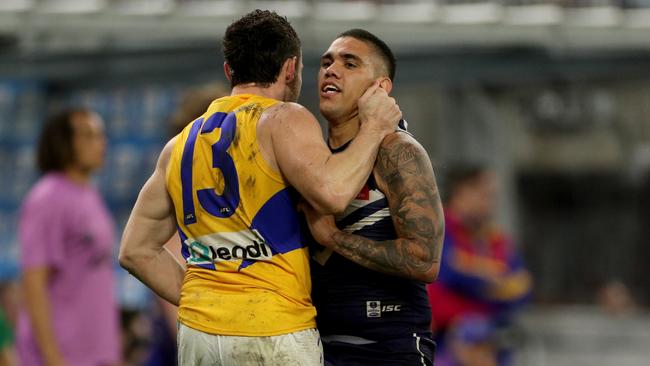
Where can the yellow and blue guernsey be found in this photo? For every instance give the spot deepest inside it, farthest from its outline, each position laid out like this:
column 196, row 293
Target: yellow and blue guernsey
column 247, row 265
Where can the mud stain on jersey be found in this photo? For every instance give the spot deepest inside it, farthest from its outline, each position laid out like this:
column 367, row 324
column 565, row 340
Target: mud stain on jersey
column 250, row 182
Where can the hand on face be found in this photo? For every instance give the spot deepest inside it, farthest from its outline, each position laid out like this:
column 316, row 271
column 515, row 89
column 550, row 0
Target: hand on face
column 378, row 110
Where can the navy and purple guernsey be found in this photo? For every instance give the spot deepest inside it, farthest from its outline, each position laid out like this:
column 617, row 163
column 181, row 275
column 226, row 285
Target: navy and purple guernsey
column 355, row 301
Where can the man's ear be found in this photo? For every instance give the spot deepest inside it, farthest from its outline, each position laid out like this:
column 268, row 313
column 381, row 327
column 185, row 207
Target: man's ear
column 386, row 84
column 227, row 71
column 290, row 69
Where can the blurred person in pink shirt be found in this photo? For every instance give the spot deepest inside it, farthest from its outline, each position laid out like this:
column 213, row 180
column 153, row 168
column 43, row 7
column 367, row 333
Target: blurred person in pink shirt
column 67, row 235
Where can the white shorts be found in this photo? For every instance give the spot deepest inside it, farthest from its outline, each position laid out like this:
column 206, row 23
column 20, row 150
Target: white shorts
column 196, row 348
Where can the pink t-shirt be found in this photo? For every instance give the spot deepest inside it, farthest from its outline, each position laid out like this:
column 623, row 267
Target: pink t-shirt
column 66, row 227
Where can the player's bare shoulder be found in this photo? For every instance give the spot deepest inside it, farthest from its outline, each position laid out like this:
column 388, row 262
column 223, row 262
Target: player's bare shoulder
column 286, row 113
column 166, row 153
column 401, row 158
column 398, row 148
column 400, row 137
column 287, row 123
column 281, row 128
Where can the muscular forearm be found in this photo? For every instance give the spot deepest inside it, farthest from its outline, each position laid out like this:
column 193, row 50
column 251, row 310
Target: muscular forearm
column 149, row 265
column 346, row 172
column 401, row 257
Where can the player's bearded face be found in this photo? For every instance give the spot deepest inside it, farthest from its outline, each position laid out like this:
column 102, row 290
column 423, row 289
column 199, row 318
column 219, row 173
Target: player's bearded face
column 346, row 71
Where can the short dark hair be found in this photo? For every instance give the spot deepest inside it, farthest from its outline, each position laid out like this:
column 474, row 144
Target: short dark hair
column 380, row 46
column 55, row 149
column 257, row 45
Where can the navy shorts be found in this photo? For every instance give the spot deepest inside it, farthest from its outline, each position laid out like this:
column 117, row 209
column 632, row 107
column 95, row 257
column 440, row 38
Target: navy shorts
column 417, row 349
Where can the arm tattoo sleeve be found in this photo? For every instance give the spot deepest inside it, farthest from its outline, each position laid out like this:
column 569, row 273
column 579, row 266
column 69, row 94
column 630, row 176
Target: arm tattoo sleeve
column 416, row 212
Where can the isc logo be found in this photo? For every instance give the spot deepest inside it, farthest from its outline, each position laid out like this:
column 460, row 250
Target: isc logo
column 374, row 309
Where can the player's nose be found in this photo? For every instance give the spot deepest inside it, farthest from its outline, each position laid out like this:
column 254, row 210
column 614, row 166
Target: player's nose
column 332, row 70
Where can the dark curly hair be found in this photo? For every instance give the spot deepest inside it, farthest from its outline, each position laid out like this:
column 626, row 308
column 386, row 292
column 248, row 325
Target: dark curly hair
column 55, row 144
column 257, row 45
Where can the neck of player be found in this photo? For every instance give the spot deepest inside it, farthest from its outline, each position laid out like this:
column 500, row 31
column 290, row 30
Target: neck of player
column 344, row 131
column 273, row 91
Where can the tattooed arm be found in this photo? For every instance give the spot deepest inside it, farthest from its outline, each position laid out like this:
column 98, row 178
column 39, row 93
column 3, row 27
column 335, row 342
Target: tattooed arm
column 404, row 173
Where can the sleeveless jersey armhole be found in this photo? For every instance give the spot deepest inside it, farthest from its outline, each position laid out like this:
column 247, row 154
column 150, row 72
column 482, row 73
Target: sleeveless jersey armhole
column 262, row 163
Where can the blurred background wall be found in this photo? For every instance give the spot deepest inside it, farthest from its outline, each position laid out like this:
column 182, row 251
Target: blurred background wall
column 555, row 95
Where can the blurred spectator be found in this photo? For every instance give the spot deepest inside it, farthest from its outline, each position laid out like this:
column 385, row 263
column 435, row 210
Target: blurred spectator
column 481, row 272
column 66, row 239
column 138, row 337
column 193, row 104
column 8, row 308
column 7, row 352
column 471, row 341
column 615, row 299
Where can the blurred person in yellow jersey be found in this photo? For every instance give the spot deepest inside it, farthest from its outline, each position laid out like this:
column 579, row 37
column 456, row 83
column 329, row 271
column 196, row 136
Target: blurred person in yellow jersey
column 226, row 184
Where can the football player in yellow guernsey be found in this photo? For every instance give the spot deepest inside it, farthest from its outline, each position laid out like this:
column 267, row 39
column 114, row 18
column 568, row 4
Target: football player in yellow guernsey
column 226, row 184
